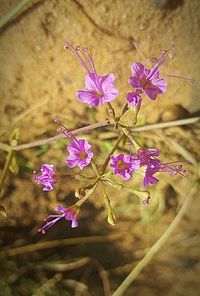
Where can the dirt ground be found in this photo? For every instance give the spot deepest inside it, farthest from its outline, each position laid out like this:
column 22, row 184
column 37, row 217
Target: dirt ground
column 38, row 84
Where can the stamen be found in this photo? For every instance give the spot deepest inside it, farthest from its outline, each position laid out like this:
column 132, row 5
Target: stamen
column 62, row 129
column 173, row 162
column 49, row 224
column 192, row 81
column 77, row 55
column 169, row 58
column 165, row 51
column 152, row 60
column 87, row 55
column 83, row 52
column 172, row 170
column 162, row 59
column 90, row 59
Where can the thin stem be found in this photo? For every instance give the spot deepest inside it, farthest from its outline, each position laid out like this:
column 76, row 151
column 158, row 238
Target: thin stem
column 105, row 164
column 131, row 138
column 5, row 170
column 81, row 130
column 167, row 124
column 61, row 242
column 156, row 247
column 104, row 277
column 125, row 108
column 91, row 60
column 87, row 55
column 111, row 112
column 85, row 129
column 13, row 12
column 95, row 169
column 75, row 52
column 87, row 195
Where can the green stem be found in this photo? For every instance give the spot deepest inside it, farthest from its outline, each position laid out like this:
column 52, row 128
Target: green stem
column 111, row 112
column 155, row 248
column 128, row 135
column 125, row 108
column 13, row 12
column 5, row 170
column 105, row 164
column 90, row 192
column 95, row 169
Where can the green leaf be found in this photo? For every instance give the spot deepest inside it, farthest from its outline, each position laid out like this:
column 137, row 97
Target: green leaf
column 14, row 137
column 111, row 216
column 14, row 165
column 144, row 195
column 3, row 211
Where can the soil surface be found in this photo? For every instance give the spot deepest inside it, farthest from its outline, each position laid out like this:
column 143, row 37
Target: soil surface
column 38, row 84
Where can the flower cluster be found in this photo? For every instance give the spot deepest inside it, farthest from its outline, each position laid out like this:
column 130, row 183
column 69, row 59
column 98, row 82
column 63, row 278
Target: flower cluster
column 145, row 157
column 100, row 89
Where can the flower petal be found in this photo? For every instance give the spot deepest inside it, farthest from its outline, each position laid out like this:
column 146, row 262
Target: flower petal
column 92, row 82
column 137, row 70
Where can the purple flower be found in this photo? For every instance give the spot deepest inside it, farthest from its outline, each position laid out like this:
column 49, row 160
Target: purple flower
column 80, row 150
column 147, row 157
column 145, row 154
column 124, row 165
column 46, row 177
column 66, row 213
column 148, row 80
column 99, row 89
column 134, row 98
column 153, row 167
column 80, row 154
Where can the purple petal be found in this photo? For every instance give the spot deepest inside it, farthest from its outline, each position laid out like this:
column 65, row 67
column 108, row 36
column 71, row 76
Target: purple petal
column 137, row 70
column 134, row 99
column 74, row 223
column 71, row 163
column 60, row 209
column 152, row 92
column 160, row 83
column 134, row 81
column 92, row 82
column 149, row 180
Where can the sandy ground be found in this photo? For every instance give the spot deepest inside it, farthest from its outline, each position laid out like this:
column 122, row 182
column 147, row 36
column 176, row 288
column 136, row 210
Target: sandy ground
column 38, row 84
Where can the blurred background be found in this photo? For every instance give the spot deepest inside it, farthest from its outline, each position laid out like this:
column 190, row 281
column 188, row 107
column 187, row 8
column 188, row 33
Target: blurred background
column 38, row 84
